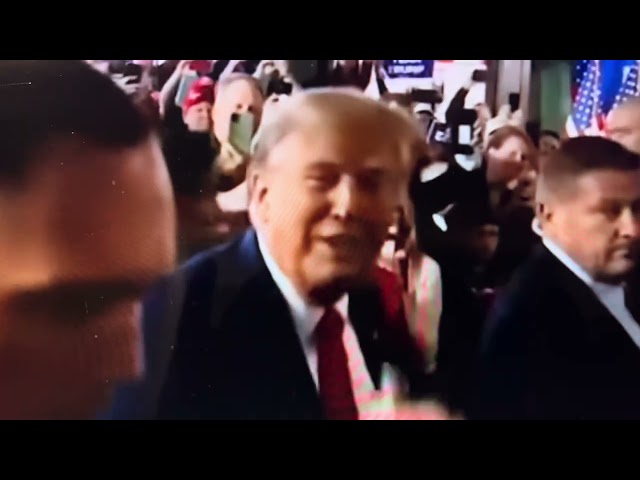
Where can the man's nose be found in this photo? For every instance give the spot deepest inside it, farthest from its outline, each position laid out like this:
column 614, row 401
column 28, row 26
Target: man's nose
column 345, row 199
column 629, row 224
column 529, row 176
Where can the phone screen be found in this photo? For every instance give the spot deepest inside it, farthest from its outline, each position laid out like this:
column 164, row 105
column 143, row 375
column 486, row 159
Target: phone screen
column 241, row 131
column 465, row 135
column 184, row 87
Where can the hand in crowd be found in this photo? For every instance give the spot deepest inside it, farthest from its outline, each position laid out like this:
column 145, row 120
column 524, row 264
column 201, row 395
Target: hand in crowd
column 388, row 256
column 390, row 403
column 184, row 66
column 231, row 158
column 265, row 68
column 469, row 82
column 423, row 411
column 484, row 115
column 231, row 166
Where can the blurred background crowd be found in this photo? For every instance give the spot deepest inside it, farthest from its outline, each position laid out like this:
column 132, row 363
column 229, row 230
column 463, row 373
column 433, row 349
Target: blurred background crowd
column 340, row 239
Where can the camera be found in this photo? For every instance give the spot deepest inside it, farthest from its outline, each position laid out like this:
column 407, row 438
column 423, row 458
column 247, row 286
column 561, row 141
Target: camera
column 480, row 76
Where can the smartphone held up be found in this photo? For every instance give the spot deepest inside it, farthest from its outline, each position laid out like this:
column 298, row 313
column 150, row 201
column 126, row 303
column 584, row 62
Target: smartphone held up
column 241, row 131
column 186, row 82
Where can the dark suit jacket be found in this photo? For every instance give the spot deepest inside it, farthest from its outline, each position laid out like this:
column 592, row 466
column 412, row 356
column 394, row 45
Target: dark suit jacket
column 236, row 353
column 459, row 334
column 553, row 351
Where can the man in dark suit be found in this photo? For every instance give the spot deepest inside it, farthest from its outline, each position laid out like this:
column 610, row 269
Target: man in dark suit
column 563, row 343
column 288, row 321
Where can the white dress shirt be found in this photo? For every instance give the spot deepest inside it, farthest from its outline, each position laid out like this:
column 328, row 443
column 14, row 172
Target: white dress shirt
column 611, row 296
column 306, row 318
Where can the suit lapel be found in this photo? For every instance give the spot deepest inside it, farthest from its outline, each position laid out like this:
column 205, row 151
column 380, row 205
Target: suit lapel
column 263, row 323
column 601, row 327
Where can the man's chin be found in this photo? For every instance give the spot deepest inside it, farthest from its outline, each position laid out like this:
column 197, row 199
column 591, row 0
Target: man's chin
column 619, row 272
column 337, row 280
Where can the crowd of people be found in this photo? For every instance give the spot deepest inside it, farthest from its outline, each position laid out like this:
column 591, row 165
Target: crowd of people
column 224, row 239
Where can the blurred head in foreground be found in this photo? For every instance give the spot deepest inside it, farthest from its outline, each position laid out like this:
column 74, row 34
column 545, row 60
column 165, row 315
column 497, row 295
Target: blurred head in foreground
column 87, row 224
column 328, row 171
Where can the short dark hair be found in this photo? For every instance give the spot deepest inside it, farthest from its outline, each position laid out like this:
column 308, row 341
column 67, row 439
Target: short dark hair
column 581, row 155
column 549, row 133
column 44, row 99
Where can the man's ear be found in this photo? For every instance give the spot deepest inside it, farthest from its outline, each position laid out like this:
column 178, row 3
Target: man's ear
column 258, row 193
column 543, row 211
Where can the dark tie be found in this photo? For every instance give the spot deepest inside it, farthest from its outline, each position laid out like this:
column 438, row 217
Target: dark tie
column 336, row 392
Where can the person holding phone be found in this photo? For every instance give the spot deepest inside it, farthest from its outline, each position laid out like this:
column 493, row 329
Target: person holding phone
column 204, row 161
column 196, row 108
column 177, row 86
column 476, row 170
column 419, row 275
column 167, row 100
column 236, row 115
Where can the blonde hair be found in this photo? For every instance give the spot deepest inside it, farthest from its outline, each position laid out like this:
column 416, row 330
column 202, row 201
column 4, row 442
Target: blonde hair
column 339, row 108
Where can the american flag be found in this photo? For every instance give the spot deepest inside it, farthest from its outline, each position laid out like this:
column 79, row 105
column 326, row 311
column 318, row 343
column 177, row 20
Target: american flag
column 599, row 86
column 586, row 109
column 630, row 86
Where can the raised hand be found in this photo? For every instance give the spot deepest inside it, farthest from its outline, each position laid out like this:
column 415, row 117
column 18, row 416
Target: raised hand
column 389, row 403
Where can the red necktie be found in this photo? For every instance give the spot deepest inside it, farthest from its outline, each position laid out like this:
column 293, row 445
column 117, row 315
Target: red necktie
column 336, row 392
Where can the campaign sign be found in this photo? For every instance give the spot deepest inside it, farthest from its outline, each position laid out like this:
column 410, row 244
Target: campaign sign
column 409, row 68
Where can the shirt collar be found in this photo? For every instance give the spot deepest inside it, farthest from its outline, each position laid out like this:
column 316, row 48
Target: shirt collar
column 305, row 315
column 568, row 262
column 602, row 290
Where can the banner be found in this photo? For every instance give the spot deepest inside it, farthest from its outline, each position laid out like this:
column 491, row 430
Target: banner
column 408, row 68
column 450, row 75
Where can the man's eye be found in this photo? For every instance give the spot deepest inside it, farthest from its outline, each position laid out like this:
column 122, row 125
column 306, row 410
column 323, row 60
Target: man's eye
column 322, row 180
column 370, row 183
column 612, row 211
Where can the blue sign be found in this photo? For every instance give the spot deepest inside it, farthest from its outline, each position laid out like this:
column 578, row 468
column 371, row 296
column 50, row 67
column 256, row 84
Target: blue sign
column 409, row 68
